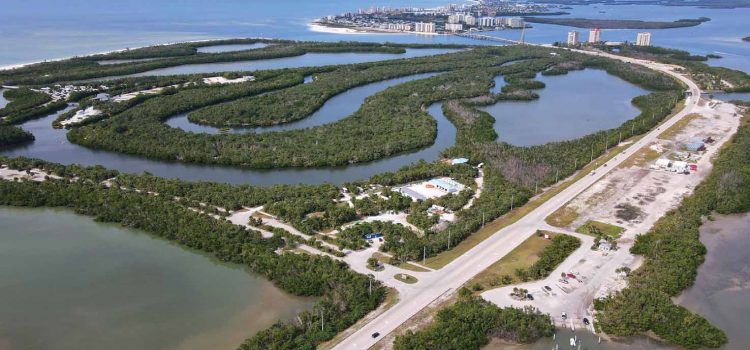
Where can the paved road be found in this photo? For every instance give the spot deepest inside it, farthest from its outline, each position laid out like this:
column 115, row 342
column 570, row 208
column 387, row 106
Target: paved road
column 434, row 284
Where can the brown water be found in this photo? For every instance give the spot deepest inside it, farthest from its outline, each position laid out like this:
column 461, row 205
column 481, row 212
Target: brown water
column 67, row 282
column 722, row 290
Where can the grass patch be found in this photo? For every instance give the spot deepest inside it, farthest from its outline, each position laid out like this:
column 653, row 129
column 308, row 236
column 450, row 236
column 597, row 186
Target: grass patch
column 596, row 229
column 444, row 258
column 404, row 265
column 676, row 128
column 644, row 156
column 522, row 257
column 405, row 278
column 562, row 217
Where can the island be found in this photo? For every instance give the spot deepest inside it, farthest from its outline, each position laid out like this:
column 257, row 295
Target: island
column 617, row 23
column 747, row 38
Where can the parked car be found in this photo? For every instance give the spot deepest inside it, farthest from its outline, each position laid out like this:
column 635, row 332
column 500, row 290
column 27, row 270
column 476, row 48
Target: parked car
column 586, row 321
column 548, row 288
column 564, row 315
column 529, row 296
column 380, row 239
column 376, row 334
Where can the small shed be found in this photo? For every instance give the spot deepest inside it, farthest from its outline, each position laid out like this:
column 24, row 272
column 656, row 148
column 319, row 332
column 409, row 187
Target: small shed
column 680, row 167
column 455, row 161
column 695, row 146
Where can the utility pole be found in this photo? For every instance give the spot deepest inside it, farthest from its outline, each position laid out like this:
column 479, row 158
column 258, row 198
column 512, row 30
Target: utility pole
column 449, row 239
column 557, row 174
column 620, row 139
column 632, row 129
column 575, row 164
column 424, row 255
column 482, row 218
column 592, row 153
column 370, row 289
column 322, row 320
column 512, row 197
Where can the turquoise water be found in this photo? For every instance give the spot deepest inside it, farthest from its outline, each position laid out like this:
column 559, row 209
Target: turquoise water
column 68, row 282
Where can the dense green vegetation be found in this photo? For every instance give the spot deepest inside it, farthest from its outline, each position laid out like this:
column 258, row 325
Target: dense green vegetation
column 747, row 38
column 345, row 297
column 300, row 101
column 707, row 77
column 472, row 321
column 27, row 104
column 552, row 255
column 617, row 23
column 370, row 133
column 11, row 135
column 673, row 252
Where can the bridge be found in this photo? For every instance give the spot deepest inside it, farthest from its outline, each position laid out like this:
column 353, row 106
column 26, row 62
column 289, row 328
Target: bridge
column 489, row 37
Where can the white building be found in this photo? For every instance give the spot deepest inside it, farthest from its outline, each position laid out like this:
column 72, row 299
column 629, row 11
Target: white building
column 573, row 38
column 424, row 27
column 515, row 22
column 453, row 19
column 405, row 27
column 470, row 20
column 595, row 35
column 486, row 21
column 643, row 39
column 454, row 27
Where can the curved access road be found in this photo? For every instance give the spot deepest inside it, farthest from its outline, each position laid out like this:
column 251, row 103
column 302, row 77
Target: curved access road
column 433, row 285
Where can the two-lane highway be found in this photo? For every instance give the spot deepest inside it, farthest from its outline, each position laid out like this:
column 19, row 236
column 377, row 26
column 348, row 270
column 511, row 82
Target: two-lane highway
column 434, row 284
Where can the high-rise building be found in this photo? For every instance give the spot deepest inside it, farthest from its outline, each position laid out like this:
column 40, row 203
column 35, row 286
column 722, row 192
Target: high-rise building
column 454, row 27
column 573, row 38
column 643, row 39
column 424, row 27
column 515, row 22
column 470, row 20
column 454, row 19
column 595, row 35
column 487, row 21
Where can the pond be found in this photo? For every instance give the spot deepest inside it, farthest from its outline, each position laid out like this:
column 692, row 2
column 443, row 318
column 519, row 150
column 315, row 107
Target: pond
column 570, row 106
column 68, row 282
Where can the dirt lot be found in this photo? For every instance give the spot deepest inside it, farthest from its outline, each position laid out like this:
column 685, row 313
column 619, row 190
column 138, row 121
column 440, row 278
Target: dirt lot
column 634, row 197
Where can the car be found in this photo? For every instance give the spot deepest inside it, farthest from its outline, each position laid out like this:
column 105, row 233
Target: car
column 548, row 288
column 380, row 239
column 529, row 296
column 376, row 334
column 369, row 241
column 564, row 315
column 586, row 321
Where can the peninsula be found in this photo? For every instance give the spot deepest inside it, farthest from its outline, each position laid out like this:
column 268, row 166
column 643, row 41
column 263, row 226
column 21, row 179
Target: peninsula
column 617, row 23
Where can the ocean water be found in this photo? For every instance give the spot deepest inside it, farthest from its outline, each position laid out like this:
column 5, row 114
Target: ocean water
column 33, row 30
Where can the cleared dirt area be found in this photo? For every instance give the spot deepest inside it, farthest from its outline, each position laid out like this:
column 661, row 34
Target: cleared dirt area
column 633, row 197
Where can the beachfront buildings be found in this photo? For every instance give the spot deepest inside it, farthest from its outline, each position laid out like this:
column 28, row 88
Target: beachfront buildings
column 595, row 35
column 643, row 39
column 424, row 27
column 487, row 21
column 573, row 38
column 454, row 27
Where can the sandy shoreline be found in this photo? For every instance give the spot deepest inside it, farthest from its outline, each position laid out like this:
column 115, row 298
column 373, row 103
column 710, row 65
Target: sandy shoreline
column 319, row 28
column 19, row 65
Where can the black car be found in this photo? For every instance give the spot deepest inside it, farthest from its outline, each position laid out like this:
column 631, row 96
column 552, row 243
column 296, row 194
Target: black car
column 376, row 334
column 586, row 321
column 529, row 296
column 548, row 288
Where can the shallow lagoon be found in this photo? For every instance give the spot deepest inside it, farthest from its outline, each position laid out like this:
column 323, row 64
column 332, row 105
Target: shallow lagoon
column 68, row 282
